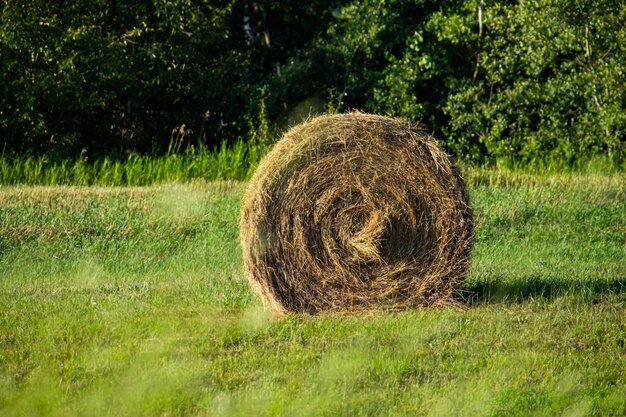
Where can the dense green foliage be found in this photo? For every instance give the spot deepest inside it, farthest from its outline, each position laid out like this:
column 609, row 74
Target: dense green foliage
column 132, row 302
column 549, row 80
column 519, row 82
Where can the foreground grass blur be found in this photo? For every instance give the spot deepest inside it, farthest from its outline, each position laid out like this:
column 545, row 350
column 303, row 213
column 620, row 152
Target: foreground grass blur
column 131, row 301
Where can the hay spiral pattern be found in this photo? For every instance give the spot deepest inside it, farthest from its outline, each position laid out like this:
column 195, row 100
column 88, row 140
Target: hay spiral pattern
column 355, row 213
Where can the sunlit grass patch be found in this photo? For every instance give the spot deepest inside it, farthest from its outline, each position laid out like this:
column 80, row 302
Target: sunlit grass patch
column 227, row 162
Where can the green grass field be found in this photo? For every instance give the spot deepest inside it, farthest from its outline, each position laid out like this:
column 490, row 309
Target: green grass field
column 132, row 302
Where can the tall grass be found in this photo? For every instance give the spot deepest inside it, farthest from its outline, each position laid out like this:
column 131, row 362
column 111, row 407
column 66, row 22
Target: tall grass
column 228, row 161
column 234, row 161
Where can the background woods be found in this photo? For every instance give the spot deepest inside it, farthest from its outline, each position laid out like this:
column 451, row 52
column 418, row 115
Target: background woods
column 518, row 82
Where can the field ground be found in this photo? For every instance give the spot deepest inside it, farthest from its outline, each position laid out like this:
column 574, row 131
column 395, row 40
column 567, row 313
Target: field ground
column 131, row 302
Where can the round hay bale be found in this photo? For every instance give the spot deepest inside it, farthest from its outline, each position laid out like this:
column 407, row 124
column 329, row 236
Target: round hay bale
column 355, row 213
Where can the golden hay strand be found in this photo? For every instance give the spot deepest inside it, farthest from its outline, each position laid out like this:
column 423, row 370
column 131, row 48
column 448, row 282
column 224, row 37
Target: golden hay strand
column 355, row 213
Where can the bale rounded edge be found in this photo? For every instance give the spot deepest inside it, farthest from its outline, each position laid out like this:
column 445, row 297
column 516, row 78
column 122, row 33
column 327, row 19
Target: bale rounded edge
column 355, row 213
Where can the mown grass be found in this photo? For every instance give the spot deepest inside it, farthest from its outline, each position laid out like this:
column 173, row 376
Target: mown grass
column 131, row 301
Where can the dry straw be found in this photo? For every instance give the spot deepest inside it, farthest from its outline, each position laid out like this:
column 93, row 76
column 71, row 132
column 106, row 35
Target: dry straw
column 355, row 213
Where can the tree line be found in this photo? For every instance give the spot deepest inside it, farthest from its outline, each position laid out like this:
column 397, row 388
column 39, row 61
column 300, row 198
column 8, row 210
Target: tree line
column 525, row 80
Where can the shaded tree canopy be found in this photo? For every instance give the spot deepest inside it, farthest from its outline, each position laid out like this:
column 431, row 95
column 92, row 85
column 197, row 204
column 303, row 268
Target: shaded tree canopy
column 518, row 80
